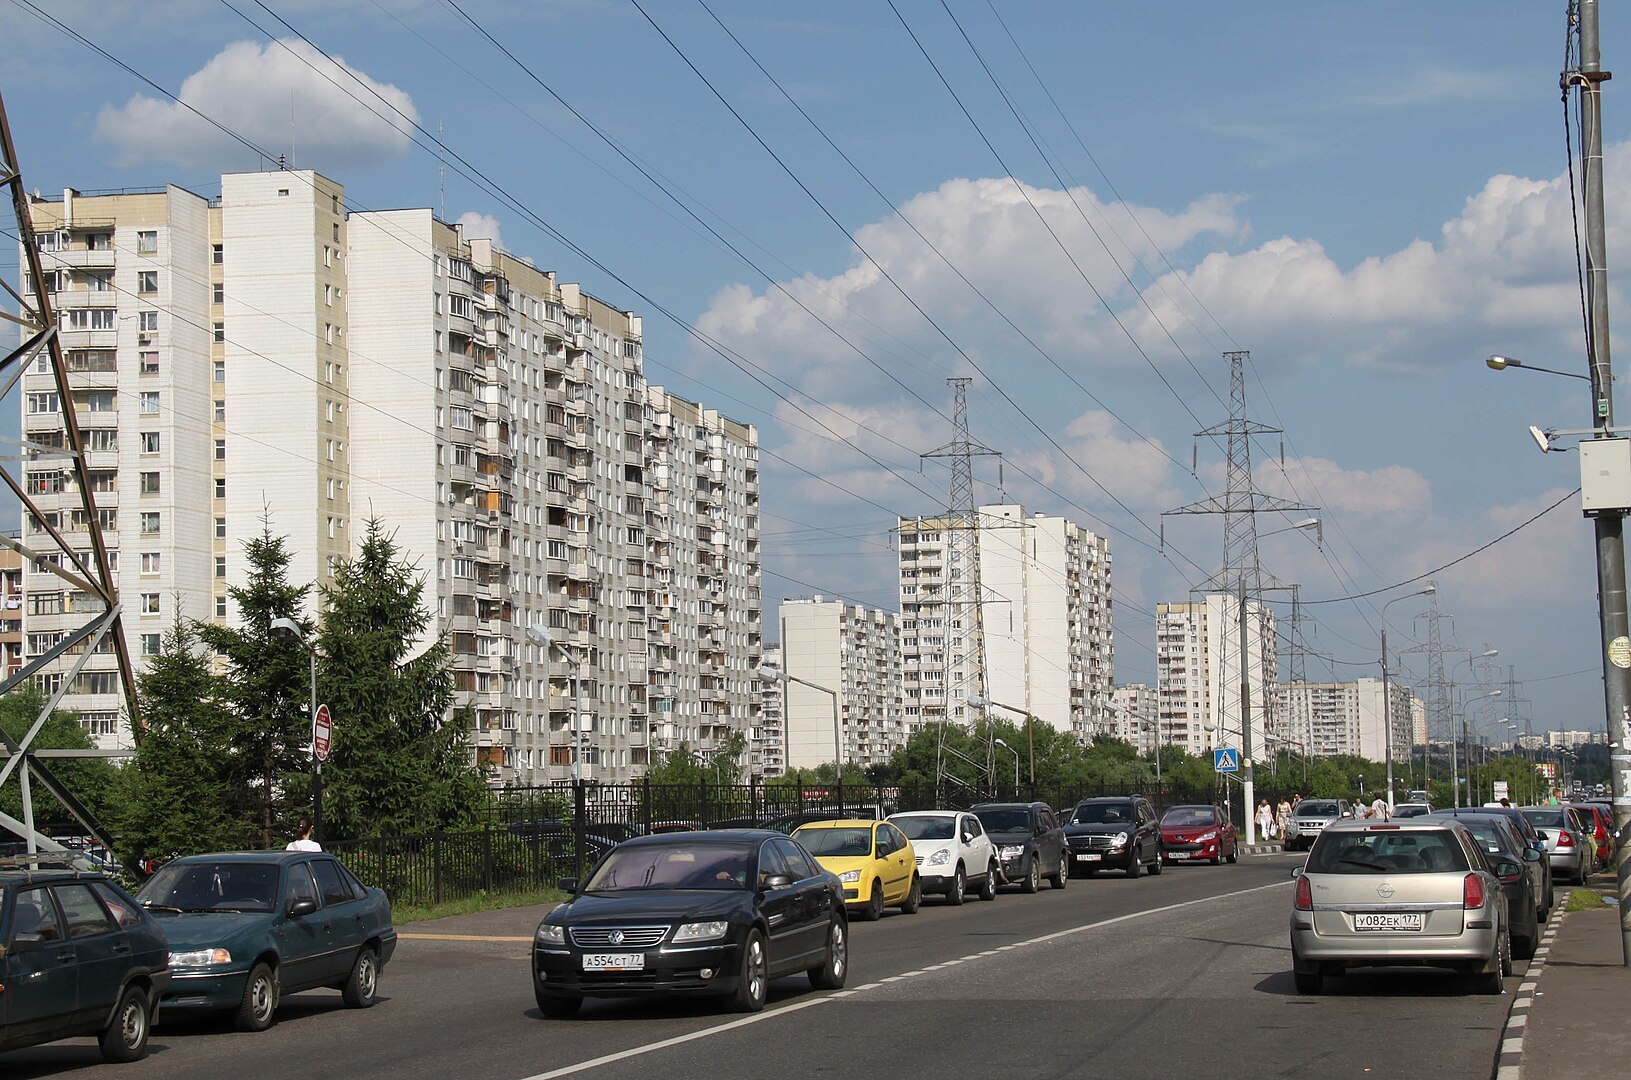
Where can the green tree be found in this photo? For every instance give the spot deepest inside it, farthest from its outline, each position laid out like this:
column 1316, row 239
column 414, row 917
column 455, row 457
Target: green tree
column 90, row 780
column 401, row 761
column 176, row 797
column 265, row 684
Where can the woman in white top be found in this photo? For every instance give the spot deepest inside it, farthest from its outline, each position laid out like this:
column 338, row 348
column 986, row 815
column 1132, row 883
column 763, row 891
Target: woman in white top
column 303, row 840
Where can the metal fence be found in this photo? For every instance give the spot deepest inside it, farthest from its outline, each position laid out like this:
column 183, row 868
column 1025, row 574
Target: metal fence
column 531, row 837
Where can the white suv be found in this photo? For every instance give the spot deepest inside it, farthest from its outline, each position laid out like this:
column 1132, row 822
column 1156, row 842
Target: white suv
column 953, row 853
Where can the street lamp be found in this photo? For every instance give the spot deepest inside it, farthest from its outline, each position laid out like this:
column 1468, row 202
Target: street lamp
column 540, row 636
column 772, row 673
column 980, row 701
column 289, row 630
column 1501, row 363
column 1387, row 691
column 1467, row 746
column 1014, row 752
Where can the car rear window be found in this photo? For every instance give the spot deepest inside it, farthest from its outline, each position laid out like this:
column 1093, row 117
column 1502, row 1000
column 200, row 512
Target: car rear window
column 838, row 842
column 1545, row 819
column 1311, row 808
column 1001, row 821
column 1388, row 851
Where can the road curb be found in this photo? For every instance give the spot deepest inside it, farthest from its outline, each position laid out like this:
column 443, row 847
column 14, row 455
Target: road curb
column 1509, row 1058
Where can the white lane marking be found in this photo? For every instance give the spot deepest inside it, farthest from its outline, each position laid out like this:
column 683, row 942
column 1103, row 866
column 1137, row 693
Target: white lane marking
column 770, row 1014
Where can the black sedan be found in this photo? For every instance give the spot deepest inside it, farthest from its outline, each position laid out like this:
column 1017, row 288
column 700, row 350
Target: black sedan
column 701, row 913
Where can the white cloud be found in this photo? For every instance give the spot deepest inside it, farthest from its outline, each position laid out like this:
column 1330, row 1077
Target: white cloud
column 474, row 226
column 256, row 91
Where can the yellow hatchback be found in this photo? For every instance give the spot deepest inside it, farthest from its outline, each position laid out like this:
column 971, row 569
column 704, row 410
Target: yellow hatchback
column 872, row 859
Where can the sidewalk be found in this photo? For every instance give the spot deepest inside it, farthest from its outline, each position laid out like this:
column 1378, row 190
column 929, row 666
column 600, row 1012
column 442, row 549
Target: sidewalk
column 1568, row 1015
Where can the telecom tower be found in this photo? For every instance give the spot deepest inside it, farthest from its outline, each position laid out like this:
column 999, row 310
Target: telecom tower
column 964, row 630
column 1242, row 574
column 1438, row 684
column 84, row 571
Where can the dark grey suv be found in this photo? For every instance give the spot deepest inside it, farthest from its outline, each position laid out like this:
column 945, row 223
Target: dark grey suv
column 1030, row 843
column 1118, row 832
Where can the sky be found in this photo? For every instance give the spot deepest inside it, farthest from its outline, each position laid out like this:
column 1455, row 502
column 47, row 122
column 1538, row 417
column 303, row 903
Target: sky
column 825, row 211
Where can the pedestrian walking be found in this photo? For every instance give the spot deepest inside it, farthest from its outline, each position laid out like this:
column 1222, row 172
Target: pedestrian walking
column 1265, row 818
column 303, row 840
column 1283, row 813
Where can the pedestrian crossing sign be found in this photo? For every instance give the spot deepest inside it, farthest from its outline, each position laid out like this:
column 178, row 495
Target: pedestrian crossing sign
column 1226, row 759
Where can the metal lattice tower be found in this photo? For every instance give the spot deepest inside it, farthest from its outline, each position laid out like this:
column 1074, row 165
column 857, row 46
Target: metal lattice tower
column 1302, row 719
column 86, row 572
column 964, row 631
column 1439, row 719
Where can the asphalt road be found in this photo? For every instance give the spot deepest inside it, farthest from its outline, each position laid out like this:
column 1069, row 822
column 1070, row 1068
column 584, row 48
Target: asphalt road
column 1185, row 974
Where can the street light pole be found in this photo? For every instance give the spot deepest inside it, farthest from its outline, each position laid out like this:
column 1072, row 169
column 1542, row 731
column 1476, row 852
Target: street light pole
column 772, row 673
column 540, row 635
column 980, row 701
column 1014, row 752
column 1466, row 747
column 290, row 629
column 1387, row 690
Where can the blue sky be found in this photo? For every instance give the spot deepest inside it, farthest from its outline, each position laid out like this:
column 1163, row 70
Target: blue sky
column 1367, row 197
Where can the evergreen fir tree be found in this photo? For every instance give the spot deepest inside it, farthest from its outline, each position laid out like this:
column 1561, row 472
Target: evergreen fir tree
column 90, row 780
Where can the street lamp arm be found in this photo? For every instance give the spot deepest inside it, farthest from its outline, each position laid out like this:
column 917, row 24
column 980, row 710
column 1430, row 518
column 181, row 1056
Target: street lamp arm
column 1501, row 363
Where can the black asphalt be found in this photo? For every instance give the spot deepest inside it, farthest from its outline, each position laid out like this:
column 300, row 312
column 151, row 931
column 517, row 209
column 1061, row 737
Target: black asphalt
column 1185, row 974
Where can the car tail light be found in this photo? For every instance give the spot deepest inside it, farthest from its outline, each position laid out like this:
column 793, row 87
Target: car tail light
column 1305, row 894
column 1472, row 892
column 1564, row 839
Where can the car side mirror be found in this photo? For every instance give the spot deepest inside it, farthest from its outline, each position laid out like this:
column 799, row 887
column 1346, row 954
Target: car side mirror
column 1531, row 855
column 1506, row 868
column 1542, row 837
column 568, row 885
column 300, row 908
column 27, row 943
column 1296, row 872
column 776, row 881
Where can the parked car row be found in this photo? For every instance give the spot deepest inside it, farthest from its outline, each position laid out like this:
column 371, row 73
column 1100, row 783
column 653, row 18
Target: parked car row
column 228, row 933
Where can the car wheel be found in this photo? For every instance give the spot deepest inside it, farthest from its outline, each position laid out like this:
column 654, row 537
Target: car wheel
column 830, row 975
column 1058, row 880
column 1233, row 856
column 361, row 989
column 558, row 1008
column 1158, row 865
column 1523, row 948
column 1134, row 867
column 1309, row 983
column 1033, row 877
column 988, row 887
column 754, row 979
column 260, row 999
column 874, row 905
column 914, row 897
column 126, row 1037
column 1489, row 982
column 958, row 886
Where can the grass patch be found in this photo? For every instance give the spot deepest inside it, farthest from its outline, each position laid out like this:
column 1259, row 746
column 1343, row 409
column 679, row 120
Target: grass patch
column 1584, row 900
column 410, row 913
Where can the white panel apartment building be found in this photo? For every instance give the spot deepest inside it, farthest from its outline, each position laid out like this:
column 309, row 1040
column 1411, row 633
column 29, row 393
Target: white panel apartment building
column 268, row 355
column 1136, row 707
column 1197, row 665
column 767, row 743
column 855, row 652
column 1045, row 599
column 1346, row 718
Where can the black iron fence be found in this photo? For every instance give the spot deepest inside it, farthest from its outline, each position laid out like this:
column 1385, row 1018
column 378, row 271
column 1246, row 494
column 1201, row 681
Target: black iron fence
column 529, row 838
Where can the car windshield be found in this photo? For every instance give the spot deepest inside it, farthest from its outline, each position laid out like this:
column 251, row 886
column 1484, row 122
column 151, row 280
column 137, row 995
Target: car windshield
column 1102, row 814
column 213, row 886
column 1000, row 821
column 1409, row 810
column 923, row 828
column 838, row 842
column 680, row 866
column 1313, row 808
column 1179, row 816
column 1417, row 851
column 1545, row 819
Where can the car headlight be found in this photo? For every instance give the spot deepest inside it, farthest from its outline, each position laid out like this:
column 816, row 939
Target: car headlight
column 1118, row 840
column 550, row 934
column 701, row 931
column 850, row 877
column 1205, row 836
column 1012, row 851
column 200, row 958
column 941, row 857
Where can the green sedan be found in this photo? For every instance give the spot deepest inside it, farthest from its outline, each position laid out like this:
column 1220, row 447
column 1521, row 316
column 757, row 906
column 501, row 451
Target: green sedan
column 248, row 927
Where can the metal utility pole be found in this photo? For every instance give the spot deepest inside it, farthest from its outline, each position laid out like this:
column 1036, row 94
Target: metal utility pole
column 1301, row 719
column 1242, row 575
column 964, row 632
column 1439, row 714
column 1588, row 80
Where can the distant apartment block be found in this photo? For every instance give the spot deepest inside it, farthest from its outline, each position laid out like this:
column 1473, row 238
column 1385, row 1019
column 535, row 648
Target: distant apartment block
column 11, row 610
column 1045, row 611
column 1136, row 708
column 767, row 742
column 1576, row 738
column 269, row 357
column 1198, row 665
column 855, row 652
column 1345, row 718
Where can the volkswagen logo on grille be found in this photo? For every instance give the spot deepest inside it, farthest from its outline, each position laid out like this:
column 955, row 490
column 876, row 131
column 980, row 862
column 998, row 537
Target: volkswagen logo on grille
column 1384, row 890
column 616, row 937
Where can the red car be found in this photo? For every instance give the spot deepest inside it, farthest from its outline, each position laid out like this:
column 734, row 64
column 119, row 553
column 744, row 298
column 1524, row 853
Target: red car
column 1198, row 834
column 1595, row 816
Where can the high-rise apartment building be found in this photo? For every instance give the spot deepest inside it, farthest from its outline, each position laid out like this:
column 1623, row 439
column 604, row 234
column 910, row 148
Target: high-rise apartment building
column 1136, row 707
column 1346, row 718
column 1045, row 611
column 1198, row 663
column 269, row 360
column 767, row 745
column 855, row 652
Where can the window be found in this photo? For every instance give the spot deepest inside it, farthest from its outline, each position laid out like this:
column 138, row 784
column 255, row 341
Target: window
column 334, row 888
column 149, row 362
column 150, row 402
column 215, row 254
column 123, row 913
column 328, row 255
column 44, row 403
column 33, row 913
column 150, row 483
column 220, row 411
column 90, row 318
column 328, row 332
column 101, row 401
column 220, row 331
column 301, row 886
column 147, row 321
column 152, row 562
column 220, row 528
column 151, row 442
column 221, row 607
column 220, row 449
column 460, row 418
column 220, row 487
column 219, row 371
column 150, row 603
column 147, row 242
column 147, row 281
column 150, row 523
column 220, row 566
column 150, row 644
